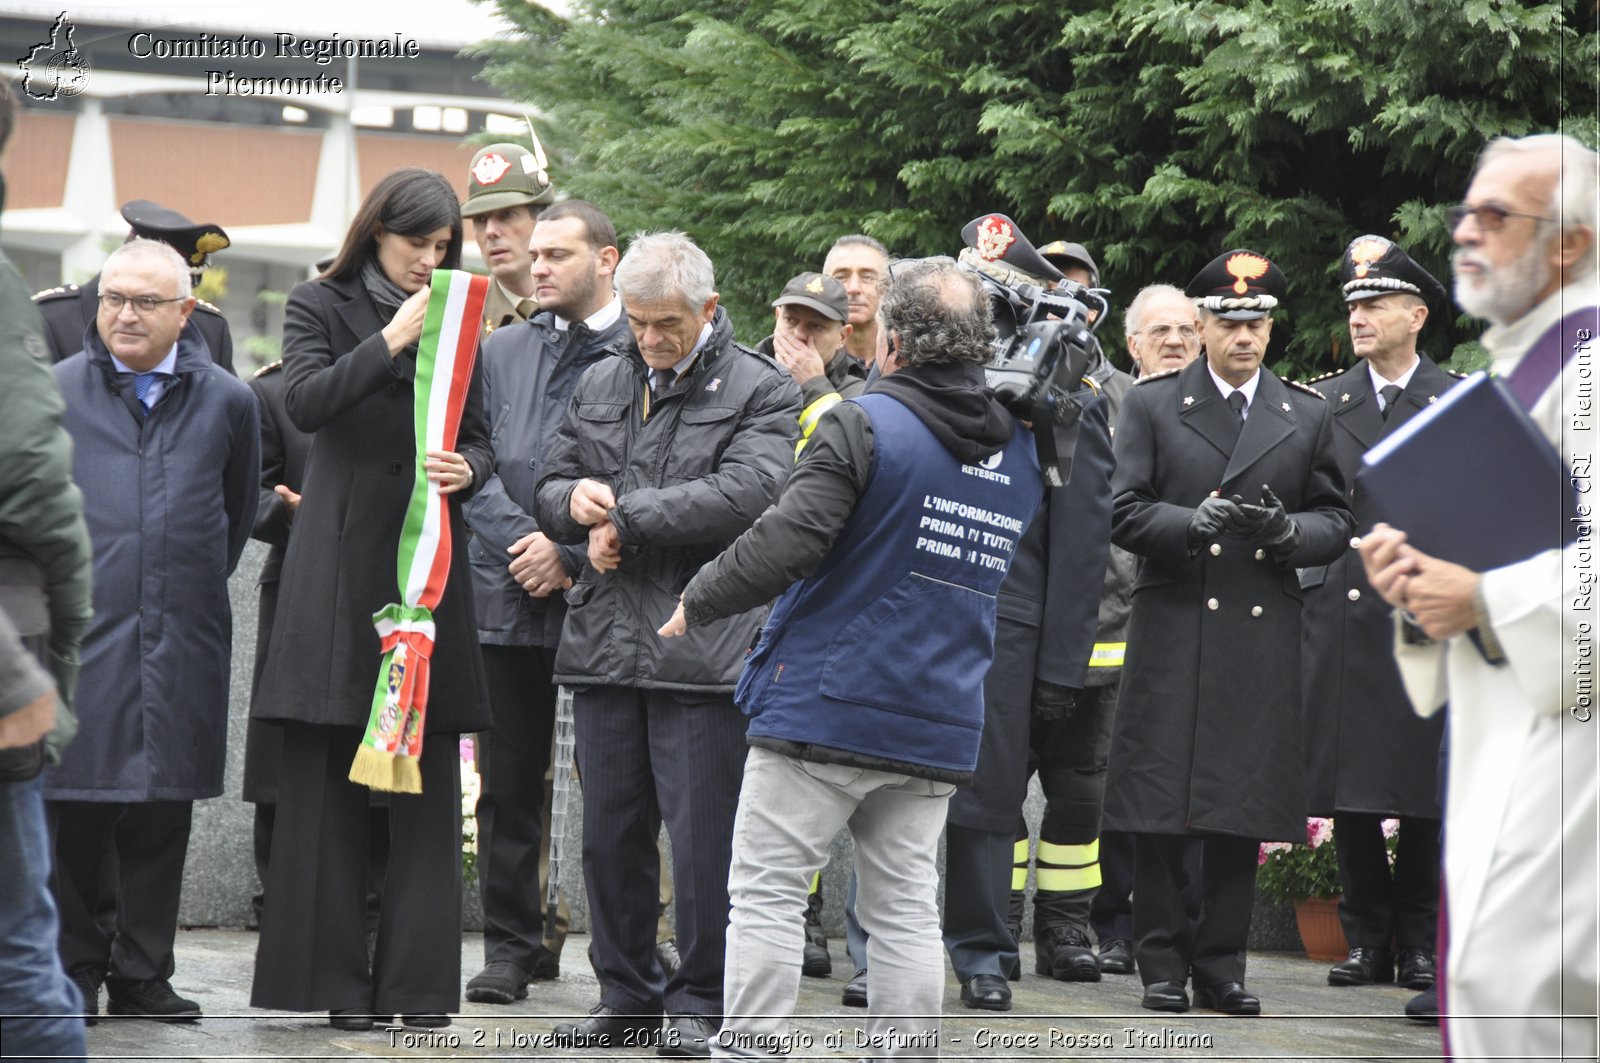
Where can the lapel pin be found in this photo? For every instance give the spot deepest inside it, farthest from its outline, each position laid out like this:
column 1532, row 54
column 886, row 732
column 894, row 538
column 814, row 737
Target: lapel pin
column 1433, row 398
column 1188, row 400
column 1345, row 397
column 1286, row 408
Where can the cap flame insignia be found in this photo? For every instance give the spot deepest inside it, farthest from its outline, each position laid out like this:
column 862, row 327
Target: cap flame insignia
column 814, row 285
column 995, row 238
column 1243, row 268
column 1365, row 251
column 491, row 168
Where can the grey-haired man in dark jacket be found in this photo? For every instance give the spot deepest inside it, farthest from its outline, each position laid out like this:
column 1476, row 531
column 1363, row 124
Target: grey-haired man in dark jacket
column 668, row 452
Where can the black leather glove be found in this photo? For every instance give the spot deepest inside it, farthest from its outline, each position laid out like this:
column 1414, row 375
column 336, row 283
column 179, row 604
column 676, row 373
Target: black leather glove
column 1052, row 701
column 1216, row 516
column 1270, row 524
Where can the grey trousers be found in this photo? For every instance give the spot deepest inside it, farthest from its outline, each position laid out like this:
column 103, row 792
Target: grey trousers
column 789, row 811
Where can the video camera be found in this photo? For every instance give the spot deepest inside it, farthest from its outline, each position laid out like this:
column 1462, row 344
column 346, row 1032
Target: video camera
column 1044, row 346
column 1045, row 343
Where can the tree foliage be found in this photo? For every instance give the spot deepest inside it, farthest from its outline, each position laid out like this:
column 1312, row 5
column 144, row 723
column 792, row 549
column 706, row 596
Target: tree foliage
column 1157, row 132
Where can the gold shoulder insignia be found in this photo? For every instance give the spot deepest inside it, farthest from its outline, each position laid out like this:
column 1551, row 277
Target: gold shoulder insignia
column 201, row 304
column 1158, row 376
column 1455, row 373
column 56, row 292
column 1307, row 388
column 273, row 368
column 1324, row 376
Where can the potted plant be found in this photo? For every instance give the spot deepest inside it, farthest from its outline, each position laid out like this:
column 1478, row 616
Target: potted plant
column 1307, row 876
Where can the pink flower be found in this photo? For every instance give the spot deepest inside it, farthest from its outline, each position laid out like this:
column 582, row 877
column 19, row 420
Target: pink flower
column 1318, row 830
column 469, row 753
column 1391, row 827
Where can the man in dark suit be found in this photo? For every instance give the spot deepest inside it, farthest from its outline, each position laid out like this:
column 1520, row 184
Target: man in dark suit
column 1226, row 482
column 1368, row 755
column 70, row 308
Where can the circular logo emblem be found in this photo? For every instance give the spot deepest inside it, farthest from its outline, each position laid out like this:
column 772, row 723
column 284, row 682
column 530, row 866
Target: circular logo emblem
column 491, row 168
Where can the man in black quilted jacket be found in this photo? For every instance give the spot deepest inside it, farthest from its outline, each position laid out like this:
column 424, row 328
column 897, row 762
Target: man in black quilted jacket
column 669, row 450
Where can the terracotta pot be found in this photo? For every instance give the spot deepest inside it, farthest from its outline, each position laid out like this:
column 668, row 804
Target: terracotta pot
column 1320, row 931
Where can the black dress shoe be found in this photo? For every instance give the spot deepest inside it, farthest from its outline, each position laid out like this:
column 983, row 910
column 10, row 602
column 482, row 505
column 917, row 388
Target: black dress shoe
column 606, row 1027
column 855, row 990
column 1165, row 996
column 1416, row 968
column 430, row 1021
column 356, row 1019
column 688, row 1035
column 1231, row 998
column 1364, row 967
column 1116, row 956
column 152, row 999
column 988, row 992
column 1424, row 1007
column 500, row 982
column 1062, row 952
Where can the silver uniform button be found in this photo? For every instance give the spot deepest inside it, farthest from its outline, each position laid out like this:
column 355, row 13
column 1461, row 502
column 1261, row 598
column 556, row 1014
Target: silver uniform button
column 1355, row 594
column 1355, row 542
column 1216, row 549
column 1255, row 610
column 1261, row 555
column 1211, row 603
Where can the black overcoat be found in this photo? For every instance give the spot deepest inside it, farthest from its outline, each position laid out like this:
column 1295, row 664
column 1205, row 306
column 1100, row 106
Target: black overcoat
column 343, row 386
column 1208, row 729
column 1366, row 750
column 169, row 497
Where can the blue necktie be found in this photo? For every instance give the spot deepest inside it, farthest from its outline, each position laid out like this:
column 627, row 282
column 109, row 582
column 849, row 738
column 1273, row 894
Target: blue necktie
column 142, row 383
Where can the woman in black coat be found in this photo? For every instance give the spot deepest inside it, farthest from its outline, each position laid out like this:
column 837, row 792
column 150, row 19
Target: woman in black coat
column 349, row 343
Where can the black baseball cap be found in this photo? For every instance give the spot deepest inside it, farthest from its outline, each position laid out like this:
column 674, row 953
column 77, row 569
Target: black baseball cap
column 820, row 292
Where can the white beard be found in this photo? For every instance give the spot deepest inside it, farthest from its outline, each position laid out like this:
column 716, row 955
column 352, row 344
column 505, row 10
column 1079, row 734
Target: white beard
column 1501, row 295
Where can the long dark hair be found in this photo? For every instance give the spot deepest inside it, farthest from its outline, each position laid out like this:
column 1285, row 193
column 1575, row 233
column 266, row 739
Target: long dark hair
column 410, row 202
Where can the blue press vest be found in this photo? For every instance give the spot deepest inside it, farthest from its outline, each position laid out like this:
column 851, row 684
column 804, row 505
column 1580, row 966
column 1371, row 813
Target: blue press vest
column 883, row 649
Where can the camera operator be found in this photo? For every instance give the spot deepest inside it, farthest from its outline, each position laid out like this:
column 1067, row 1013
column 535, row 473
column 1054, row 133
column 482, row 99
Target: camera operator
column 908, row 503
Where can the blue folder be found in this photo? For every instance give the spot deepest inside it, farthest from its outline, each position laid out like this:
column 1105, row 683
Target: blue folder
column 1472, row 480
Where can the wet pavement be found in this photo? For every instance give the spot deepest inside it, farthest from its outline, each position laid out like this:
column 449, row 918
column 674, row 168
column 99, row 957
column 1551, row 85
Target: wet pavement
column 1304, row 1019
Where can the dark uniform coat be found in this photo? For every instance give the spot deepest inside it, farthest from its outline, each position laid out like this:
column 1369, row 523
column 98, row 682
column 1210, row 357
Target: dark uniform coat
column 340, row 569
column 170, row 497
column 1208, row 729
column 1045, row 625
column 284, row 450
column 1366, row 750
column 69, row 310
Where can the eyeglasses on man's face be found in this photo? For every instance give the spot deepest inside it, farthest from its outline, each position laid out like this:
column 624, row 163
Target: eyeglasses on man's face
column 1163, row 332
column 142, row 304
column 1491, row 217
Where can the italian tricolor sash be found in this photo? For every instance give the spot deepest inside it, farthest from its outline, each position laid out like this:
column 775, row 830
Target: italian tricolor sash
column 387, row 756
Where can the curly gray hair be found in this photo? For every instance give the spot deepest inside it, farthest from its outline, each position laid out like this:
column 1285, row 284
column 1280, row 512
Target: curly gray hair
column 939, row 312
